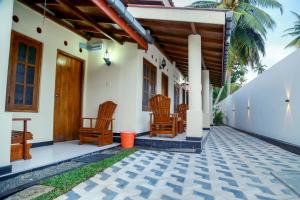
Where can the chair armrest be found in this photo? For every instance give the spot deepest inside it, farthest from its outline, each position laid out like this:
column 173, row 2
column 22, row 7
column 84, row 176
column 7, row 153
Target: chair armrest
column 21, row 119
column 87, row 118
column 108, row 119
column 151, row 116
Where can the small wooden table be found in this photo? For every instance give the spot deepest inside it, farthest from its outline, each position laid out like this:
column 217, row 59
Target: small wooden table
column 20, row 149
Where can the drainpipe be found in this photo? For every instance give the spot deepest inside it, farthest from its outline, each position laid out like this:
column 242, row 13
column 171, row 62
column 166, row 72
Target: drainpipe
column 119, row 14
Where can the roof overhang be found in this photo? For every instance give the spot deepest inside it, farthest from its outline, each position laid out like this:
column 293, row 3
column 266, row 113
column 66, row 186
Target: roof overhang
column 171, row 26
column 208, row 16
column 94, row 18
column 166, row 3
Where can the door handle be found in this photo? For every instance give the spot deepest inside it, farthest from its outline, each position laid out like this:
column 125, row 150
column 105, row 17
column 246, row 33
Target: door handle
column 56, row 95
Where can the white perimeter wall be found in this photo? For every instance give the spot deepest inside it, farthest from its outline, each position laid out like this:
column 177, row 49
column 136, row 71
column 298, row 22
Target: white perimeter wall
column 52, row 37
column 268, row 114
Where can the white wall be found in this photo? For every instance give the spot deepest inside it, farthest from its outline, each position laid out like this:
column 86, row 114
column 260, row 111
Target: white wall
column 52, row 37
column 6, row 10
column 116, row 82
column 269, row 114
column 122, row 83
column 154, row 56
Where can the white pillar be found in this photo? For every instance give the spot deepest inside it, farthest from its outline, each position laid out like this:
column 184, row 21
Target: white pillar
column 205, row 98
column 211, row 89
column 194, row 114
column 6, row 13
column 205, row 90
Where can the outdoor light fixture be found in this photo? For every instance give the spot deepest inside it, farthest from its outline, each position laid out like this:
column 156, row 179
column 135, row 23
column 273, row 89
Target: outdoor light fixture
column 248, row 107
column 107, row 58
column 163, row 64
column 287, row 100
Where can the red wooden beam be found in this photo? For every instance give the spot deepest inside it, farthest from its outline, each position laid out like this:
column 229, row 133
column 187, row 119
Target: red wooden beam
column 112, row 14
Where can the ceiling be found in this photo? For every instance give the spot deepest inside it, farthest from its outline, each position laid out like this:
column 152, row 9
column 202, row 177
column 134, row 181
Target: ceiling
column 82, row 17
column 172, row 38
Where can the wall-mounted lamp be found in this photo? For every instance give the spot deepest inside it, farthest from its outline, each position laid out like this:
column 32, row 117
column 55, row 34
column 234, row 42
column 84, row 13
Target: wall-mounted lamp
column 163, row 64
column 107, row 58
column 287, row 100
column 248, row 107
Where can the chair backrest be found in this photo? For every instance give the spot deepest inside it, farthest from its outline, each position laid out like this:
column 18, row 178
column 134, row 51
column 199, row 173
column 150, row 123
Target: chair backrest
column 106, row 111
column 182, row 109
column 160, row 106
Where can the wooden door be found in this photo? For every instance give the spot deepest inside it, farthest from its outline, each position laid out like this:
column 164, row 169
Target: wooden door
column 164, row 84
column 68, row 96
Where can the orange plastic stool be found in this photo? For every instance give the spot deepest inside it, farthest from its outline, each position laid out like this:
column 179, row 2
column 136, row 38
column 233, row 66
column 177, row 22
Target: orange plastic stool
column 127, row 139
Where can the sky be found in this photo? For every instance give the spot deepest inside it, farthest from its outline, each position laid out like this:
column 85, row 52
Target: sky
column 275, row 42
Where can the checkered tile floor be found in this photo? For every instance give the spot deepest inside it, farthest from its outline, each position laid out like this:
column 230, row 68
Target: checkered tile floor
column 232, row 166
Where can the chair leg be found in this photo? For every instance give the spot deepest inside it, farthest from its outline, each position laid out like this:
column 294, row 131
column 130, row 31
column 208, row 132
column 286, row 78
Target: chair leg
column 100, row 141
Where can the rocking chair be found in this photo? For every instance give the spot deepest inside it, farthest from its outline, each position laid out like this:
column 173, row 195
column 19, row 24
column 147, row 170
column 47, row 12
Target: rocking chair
column 102, row 132
column 182, row 109
column 161, row 121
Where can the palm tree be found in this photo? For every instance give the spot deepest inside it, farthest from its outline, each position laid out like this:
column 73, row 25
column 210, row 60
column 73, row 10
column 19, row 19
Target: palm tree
column 260, row 68
column 250, row 24
column 294, row 32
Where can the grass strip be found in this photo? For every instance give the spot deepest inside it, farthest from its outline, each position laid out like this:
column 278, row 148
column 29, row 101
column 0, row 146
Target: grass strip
column 66, row 181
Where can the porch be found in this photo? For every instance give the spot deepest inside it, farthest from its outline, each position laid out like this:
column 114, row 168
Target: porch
column 46, row 156
column 121, row 75
column 180, row 143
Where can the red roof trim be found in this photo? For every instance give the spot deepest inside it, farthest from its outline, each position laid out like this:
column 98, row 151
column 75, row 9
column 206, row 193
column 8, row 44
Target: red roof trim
column 111, row 13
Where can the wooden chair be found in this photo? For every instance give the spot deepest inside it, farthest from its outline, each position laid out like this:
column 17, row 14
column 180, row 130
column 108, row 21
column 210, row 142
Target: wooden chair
column 20, row 149
column 102, row 132
column 182, row 109
column 161, row 121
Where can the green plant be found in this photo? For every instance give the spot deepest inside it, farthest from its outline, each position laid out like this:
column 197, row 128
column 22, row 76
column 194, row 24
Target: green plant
column 218, row 119
column 249, row 30
column 294, row 32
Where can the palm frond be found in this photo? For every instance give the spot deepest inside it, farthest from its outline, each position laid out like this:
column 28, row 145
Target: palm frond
column 248, row 21
column 204, row 4
column 297, row 15
column 294, row 43
column 294, row 32
column 266, row 4
column 259, row 15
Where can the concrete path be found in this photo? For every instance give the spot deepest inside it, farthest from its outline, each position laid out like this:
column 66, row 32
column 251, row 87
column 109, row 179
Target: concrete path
column 232, row 166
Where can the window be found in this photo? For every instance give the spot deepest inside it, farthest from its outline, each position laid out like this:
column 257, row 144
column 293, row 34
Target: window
column 185, row 96
column 176, row 97
column 24, row 74
column 149, row 83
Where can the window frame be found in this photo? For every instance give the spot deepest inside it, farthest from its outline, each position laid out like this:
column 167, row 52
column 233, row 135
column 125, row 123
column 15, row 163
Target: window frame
column 10, row 105
column 176, row 97
column 151, row 83
column 183, row 95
